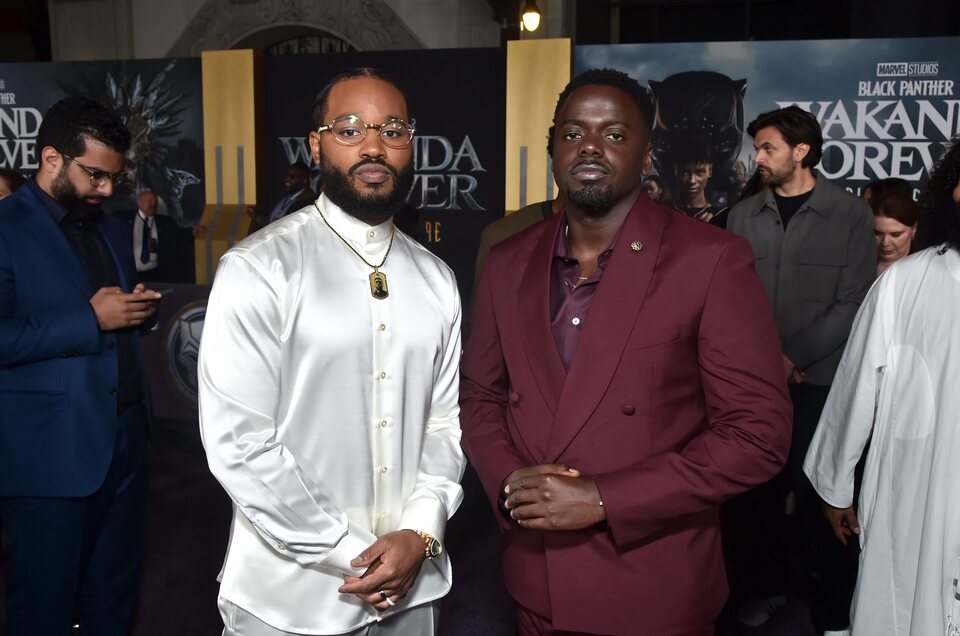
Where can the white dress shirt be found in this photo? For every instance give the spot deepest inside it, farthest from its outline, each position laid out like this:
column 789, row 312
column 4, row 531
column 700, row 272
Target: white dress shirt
column 138, row 222
column 329, row 416
column 897, row 387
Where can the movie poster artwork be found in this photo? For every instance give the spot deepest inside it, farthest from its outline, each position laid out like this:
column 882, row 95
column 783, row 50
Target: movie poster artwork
column 887, row 107
column 159, row 100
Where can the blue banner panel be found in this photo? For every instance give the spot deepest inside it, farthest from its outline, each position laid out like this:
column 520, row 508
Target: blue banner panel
column 887, row 107
column 160, row 101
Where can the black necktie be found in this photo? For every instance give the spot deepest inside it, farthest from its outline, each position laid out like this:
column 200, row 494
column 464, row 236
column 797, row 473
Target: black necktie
column 145, row 242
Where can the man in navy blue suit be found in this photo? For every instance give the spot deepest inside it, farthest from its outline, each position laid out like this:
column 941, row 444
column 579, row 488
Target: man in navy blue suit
column 73, row 398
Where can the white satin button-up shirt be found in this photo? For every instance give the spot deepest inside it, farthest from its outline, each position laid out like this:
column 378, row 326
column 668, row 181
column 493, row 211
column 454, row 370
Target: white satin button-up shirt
column 329, row 416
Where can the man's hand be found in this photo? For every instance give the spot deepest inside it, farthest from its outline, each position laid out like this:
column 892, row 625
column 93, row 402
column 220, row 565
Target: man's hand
column 843, row 521
column 554, row 501
column 793, row 374
column 393, row 562
column 116, row 310
column 515, row 479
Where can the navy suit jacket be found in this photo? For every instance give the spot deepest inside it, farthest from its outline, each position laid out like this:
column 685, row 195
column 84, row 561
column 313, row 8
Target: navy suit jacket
column 58, row 371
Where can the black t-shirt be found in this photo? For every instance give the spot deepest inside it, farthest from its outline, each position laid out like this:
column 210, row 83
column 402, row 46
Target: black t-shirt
column 788, row 206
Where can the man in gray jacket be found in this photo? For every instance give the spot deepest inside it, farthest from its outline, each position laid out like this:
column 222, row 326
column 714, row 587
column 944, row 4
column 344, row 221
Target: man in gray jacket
column 815, row 253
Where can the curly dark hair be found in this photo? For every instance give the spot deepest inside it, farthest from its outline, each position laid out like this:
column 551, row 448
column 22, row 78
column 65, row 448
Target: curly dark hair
column 940, row 214
column 71, row 121
column 322, row 99
column 12, row 178
column 606, row 77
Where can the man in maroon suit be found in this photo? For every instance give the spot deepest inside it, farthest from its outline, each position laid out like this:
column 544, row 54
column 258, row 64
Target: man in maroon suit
column 622, row 379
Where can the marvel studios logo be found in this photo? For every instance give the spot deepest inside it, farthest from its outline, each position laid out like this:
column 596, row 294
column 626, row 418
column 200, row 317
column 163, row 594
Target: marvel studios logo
column 908, row 69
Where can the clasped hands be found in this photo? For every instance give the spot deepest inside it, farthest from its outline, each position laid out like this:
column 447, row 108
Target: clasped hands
column 393, row 563
column 552, row 497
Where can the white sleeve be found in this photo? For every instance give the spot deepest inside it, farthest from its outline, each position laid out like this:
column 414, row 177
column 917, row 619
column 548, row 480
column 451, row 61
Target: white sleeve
column 848, row 416
column 239, row 392
column 437, row 493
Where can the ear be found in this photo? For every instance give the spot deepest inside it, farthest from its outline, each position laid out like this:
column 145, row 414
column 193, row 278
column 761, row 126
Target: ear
column 314, row 140
column 800, row 151
column 50, row 159
column 647, row 159
column 709, row 170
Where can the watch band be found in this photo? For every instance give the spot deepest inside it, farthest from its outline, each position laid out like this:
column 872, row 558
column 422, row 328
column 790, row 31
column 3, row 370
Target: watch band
column 428, row 541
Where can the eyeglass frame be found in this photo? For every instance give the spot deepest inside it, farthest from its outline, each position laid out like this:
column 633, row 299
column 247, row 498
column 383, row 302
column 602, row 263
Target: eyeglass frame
column 100, row 176
column 366, row 127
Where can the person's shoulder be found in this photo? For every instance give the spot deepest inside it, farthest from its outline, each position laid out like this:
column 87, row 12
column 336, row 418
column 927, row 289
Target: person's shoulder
column 747, row 206
column 422, row 256
column 511, row 224
column 837, row 199
column 13, row 207
column 700, row 237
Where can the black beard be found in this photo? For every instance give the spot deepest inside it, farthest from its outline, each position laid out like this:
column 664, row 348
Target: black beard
column 67, row 196
column 592, row 199
column 373, row 208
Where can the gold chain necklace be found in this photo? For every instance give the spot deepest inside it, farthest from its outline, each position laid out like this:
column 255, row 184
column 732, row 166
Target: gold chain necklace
column 378, row 280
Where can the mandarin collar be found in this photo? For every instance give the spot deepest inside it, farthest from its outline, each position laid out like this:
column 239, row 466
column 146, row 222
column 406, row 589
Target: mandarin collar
column 370, row 238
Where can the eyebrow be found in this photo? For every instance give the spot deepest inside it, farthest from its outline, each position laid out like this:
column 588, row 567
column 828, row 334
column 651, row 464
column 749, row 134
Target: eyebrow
column 606, row 124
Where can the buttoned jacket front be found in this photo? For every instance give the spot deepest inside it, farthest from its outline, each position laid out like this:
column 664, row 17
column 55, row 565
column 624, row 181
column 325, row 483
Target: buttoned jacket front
column 816, row 273
column 674, row 401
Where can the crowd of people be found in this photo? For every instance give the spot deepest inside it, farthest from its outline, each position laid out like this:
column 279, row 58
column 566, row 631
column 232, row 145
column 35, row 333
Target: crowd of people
column 659, row 408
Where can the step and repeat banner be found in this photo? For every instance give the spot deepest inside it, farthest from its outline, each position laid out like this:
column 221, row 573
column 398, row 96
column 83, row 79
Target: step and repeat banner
column 161, row 102
column 887, row 107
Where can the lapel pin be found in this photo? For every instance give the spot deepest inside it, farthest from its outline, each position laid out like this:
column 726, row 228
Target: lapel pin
column 636, row 246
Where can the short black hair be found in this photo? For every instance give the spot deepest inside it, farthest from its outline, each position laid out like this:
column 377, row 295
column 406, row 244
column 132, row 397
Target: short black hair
column 940, row 214
column 322, row 99
column 300, row 167
column 13, row 178
column 70, row 122
column 797, row 126
column 614, row 79
column 655, row 178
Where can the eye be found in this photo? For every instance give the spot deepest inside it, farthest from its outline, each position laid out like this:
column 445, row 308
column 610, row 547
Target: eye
column 615, row 135
column 572, row 135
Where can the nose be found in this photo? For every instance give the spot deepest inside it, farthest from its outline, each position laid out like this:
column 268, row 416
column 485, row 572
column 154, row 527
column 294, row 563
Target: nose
column 591, row 145
column 371, row 145
column 106, row 188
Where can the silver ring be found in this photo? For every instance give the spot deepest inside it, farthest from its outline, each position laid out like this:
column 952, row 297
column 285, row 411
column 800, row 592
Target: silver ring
column 389, row 601
column 384, row 595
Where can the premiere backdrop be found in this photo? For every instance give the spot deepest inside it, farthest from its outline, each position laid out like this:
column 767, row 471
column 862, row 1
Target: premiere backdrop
column 160, row 100
column 886, row 106
column 456, row 104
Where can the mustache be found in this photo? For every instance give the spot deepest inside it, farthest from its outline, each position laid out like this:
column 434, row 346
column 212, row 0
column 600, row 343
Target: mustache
column 374, row 162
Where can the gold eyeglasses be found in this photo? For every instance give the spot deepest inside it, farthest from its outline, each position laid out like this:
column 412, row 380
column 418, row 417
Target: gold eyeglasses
column 98, row 177
column 350, row 130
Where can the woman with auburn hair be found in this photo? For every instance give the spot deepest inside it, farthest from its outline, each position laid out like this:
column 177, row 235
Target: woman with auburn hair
column 895, row 220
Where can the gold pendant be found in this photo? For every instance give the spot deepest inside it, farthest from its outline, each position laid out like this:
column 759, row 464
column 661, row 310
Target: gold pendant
column 378, row 285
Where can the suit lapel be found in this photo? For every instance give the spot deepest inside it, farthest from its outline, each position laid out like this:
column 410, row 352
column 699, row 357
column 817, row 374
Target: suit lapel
column 38, row 223
column 533, row 301
column 610, row 319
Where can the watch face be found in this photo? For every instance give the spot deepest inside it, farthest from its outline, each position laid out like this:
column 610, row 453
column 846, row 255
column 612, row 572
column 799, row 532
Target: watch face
column 435, row 548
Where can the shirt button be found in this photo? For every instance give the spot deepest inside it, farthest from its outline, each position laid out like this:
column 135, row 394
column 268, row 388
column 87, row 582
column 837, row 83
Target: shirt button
column 383, row 423
column 382, row 327
column 383, row 374
column 281, row 547
column 575, row 321
column 383, row 469
column 371, row 233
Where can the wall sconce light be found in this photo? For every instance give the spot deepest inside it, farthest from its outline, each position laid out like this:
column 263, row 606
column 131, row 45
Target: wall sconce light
column 530, row 15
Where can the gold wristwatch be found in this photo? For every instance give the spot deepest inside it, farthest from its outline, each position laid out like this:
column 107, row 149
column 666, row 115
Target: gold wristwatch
column 432, row 549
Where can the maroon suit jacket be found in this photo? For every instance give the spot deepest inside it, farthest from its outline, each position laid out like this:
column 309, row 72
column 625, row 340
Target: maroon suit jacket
column 675, row 401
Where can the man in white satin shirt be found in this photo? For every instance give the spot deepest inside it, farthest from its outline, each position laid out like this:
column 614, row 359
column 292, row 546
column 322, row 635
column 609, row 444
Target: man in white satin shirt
column 328, row 394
